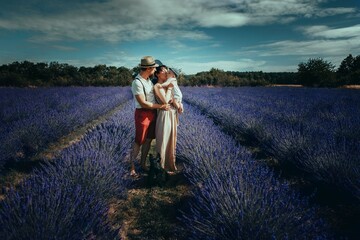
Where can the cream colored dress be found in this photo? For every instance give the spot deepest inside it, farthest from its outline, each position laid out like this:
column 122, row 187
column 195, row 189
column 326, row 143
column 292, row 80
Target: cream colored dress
column 166, row 135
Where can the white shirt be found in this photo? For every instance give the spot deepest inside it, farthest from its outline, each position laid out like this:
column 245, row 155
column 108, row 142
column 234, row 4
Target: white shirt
column 138, row 89
column 176, row 90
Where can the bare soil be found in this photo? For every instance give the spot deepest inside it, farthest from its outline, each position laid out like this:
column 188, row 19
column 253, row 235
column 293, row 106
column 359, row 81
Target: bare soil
column 352, row 86
column 285, row 85
column 151, row 213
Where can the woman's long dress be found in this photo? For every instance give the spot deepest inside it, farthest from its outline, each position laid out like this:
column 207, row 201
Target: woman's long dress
column 166, row 132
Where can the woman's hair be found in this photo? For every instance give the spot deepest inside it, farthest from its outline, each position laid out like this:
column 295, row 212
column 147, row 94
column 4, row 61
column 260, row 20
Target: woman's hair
column 157, row 71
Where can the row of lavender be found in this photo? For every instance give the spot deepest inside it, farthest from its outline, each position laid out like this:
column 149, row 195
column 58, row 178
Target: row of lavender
column 30, row 119
column 69, row 197
column 234, row 196
column 316, row 130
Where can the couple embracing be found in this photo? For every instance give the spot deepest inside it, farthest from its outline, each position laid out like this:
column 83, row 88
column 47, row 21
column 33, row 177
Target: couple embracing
column 157, row 106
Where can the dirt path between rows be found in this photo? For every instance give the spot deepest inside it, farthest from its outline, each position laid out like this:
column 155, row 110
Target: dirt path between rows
column 152, row 213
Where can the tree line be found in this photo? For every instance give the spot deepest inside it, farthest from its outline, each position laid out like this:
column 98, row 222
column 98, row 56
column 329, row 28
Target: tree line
column 321, row 73
column 218, row 77
column 316, row 72
column 22, row 74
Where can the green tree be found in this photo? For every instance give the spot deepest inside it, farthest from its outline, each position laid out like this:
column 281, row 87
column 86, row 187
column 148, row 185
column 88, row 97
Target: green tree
column 349, row 70
column 355, row 73
column 317, row 72
column 124, row 77
column 346, row 66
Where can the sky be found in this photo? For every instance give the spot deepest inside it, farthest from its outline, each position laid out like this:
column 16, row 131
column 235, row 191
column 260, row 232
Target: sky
column 193, row 36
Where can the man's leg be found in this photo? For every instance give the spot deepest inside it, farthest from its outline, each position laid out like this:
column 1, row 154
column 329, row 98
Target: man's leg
column 134, row 152
column 144, row 152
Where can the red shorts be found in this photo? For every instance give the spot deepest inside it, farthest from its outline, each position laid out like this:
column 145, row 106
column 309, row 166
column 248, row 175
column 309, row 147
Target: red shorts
column 145, row 120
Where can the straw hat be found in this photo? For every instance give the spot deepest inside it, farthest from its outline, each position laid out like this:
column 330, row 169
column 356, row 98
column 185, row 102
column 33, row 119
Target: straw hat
column 147, row 62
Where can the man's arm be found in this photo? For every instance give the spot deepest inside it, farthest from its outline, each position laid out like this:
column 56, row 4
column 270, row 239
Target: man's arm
column 148, row 105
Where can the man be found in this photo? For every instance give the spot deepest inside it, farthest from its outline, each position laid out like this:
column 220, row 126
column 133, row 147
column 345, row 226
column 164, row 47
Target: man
column 145, row 112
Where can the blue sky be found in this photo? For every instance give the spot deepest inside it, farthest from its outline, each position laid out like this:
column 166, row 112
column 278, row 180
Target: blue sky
column 194, row 36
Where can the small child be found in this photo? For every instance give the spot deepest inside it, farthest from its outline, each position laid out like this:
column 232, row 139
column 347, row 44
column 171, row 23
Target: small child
column 172, row 74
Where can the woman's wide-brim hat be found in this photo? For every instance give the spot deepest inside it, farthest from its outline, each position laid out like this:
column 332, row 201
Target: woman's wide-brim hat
column 147, row 62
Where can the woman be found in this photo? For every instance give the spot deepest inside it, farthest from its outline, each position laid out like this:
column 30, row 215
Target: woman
column 166, row 122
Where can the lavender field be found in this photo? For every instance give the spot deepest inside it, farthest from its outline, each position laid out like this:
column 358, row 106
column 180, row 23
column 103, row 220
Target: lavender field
column 236, row 192
column 315, row 131
column 31, row 119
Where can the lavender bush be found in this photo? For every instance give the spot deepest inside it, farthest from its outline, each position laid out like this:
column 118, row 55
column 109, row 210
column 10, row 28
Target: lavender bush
column 68, row 198
column 97, row 162
column 234, row 197
column 43, row 208
column 314, row 130
column 33, row 118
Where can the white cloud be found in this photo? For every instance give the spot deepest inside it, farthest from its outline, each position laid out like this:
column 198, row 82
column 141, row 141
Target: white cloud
column 64, row 48
column 334, row 11
column 222, row 19
column 332, row 44
column 131, row 20
column 329, row 33
column 325, row 41
column 116, row 58
column 182, row 27
column 308, row 48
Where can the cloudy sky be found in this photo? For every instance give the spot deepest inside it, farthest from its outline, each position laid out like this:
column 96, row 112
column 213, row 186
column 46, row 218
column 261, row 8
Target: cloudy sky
column 234, row 35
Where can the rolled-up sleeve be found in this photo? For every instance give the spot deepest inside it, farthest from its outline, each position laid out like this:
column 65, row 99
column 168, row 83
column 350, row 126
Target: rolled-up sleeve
column 137, row 88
